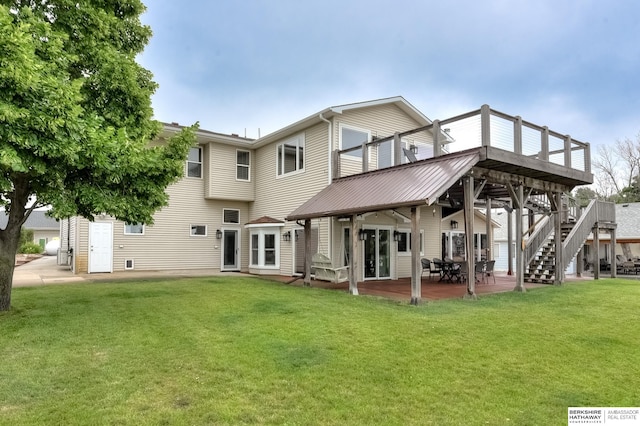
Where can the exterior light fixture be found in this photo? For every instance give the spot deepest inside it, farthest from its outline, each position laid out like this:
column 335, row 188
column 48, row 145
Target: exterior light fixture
column 362, row 234
column 218, row 234
column 454, row 224
column 286, row 236
column 413, row 148
column 396, row 236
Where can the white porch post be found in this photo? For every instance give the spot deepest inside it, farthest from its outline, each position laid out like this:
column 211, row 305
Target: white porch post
column 416, row 269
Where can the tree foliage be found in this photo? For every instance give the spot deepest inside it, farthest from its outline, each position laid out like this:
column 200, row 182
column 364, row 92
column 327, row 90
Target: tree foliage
column 617, row 171
column 75, row 115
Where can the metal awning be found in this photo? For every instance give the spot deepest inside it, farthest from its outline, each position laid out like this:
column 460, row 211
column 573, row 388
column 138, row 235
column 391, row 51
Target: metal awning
column 413, row 184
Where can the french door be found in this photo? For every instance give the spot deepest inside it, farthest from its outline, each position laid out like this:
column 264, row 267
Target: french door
column 377, row 254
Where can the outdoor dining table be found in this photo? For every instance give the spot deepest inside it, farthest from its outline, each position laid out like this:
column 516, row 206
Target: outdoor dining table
column 450, row 271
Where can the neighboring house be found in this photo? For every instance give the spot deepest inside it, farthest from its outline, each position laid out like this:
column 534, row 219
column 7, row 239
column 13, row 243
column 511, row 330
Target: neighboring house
column 627, row 235
column 44, row 228
column 246, row 205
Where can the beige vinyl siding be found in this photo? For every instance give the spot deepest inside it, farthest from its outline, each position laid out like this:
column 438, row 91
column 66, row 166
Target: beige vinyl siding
column 81, row 251
column 277, row 196
column 381, row 121
column 221, row 182
column 167, row 244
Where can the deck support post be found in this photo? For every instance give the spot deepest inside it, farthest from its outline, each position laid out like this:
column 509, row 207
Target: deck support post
column 596, row 254
column 307, row 253
column 469, row 199
column 580, row 262
column 489, row 232
column 416, row 268
column 510, row 240
column 353, row 256
column 519, row 202
column 614, row 261
column 559, row 255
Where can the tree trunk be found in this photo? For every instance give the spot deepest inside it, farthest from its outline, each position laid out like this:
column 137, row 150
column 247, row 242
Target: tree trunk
column 10, row 237
column 7, row 264
column 8, row 248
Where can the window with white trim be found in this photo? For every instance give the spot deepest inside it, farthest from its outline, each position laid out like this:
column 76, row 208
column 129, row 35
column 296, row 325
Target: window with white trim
column 404, row 242
column 198, row 230
column 194, row 162
column 291, row 155
column 351, row 137
column 133, row 229
column 265, row 248
column 243, row 165
column 231, row 216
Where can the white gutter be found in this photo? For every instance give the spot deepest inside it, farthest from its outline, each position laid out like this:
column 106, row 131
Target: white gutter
column 330, row 174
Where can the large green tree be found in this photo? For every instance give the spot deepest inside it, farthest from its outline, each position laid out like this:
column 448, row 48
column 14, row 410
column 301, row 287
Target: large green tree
column 76, row 117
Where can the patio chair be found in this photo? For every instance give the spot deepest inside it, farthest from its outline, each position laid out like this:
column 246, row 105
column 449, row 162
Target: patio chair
column 488, row 270
column 428, row 265
column 464, row 272
column 437, row 266
column 479, row 270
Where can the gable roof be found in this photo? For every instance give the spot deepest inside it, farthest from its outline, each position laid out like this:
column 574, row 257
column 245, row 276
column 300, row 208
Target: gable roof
column 37, row 220
column 327, row 113
column 408, row 185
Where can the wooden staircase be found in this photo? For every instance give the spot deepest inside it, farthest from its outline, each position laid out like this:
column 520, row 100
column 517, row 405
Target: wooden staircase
column 542, row 269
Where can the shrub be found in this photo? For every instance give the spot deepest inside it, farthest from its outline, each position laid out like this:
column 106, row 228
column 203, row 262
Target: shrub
column 30, row 248
column 26, row 236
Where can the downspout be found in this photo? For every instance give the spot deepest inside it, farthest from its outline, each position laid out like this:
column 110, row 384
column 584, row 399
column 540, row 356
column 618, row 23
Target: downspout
column 329, row 175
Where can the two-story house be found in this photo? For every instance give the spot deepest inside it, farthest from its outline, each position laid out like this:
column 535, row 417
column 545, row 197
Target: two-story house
column 367, row 171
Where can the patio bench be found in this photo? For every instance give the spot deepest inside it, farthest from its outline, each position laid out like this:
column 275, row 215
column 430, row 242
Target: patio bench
column 325, row 271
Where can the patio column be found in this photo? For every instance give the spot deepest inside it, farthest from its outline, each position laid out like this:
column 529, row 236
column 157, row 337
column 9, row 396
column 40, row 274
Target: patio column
column 580, row 262
column 519, row 201
column 307, row 253
column 469, row 198
column 614, row 261
column 510, row 240
column 559, row 252
column 416, row 268
column 353, row 258
column 489, row 231
column 596, row 254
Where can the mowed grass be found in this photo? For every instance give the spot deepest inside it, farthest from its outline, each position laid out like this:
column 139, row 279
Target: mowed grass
column 249, row 351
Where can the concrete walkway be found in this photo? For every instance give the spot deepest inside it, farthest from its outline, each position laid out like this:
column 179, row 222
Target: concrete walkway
column 46, row 271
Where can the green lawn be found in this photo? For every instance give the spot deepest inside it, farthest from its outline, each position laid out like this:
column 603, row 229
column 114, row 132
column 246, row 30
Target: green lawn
column 247, row 351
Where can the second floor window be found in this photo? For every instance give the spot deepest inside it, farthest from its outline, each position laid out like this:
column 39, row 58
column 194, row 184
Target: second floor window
column 291, row 155
column 194, row 162
column 242, row 165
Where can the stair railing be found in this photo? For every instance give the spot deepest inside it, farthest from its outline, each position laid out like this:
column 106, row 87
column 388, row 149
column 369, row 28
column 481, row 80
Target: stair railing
column 596, row 211
column 539, row 233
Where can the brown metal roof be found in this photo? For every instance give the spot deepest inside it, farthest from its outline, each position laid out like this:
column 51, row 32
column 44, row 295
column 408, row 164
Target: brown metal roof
column 412, row 184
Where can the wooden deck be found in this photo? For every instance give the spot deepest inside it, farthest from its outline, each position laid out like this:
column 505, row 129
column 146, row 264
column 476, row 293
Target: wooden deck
column 431, row 289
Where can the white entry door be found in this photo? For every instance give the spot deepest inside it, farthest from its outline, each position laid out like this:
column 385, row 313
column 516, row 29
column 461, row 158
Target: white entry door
column 100, row 247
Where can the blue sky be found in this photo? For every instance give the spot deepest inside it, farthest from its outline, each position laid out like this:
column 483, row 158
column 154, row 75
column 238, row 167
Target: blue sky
column 237, row 66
